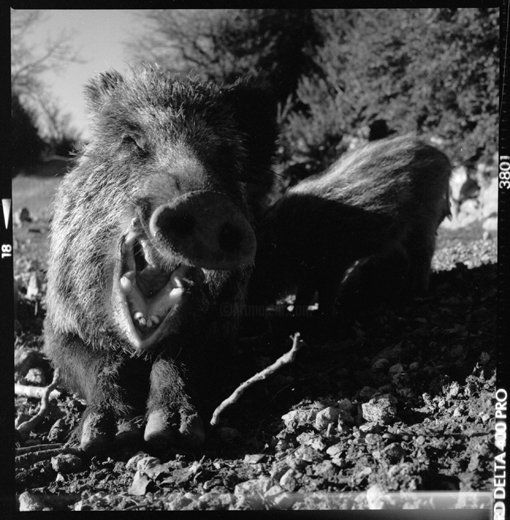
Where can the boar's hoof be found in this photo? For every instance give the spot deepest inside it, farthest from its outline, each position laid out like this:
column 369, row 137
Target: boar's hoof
column 160, row 433
column 192, row 430
column 95, row 434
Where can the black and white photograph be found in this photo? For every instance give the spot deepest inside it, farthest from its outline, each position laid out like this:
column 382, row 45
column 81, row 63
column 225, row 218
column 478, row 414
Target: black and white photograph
column 254, row 259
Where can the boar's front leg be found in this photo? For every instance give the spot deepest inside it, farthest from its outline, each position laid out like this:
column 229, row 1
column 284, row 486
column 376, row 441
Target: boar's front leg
column 421, row 244
column 370, row 281
column 113, row 384
column 172, row 419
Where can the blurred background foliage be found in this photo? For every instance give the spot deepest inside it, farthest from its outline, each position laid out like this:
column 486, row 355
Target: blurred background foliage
column 340, row 76
column 39, row 127
column 433, row 72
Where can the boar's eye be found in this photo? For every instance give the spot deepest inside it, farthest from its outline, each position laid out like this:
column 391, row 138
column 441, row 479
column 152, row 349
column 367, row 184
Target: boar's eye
column 136, row 139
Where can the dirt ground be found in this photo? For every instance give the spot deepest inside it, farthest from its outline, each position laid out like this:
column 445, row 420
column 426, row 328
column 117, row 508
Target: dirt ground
column 402, row 404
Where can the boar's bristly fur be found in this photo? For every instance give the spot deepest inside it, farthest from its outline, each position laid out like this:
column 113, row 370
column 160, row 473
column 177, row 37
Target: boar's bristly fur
column 373, row 215
column 157, row 144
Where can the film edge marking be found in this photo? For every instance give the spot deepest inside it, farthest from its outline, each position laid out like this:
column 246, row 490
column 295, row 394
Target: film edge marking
column 6, row 206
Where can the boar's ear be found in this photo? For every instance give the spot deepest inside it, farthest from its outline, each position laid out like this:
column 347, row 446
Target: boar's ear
column 255, row 111
column 100, row 88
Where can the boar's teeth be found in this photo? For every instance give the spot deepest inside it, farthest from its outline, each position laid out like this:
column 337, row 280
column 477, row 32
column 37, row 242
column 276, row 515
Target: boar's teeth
column 129, row 254
column 140, row 319
column 185, row 276
column 153, row 321
column 127, row 282
column 130, row 239
column 134, row 297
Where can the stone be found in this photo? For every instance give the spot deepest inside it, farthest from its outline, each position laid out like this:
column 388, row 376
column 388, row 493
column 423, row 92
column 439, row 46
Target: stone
column 299, row 417
column 289, row 480
column 253, row 458
column 326, row 416
column 21, row 217
column 31, row 502
column 375, row 497
column 393, row 452
column 65, row 463
column 251, row 493
column 58, row 431
column 139, row 485
column 133, row 461
column 145, row 464
column 381, row 409
column 36, row 376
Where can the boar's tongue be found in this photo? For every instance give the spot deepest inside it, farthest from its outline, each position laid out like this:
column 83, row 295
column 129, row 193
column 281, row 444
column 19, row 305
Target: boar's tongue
column 151, row 280
column 148, row 308
column 149, row 291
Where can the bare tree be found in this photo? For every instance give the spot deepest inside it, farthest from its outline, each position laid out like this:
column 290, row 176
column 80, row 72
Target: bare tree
column 178, row 39
column 29, row 62
column 58, row 130
column 223, row 44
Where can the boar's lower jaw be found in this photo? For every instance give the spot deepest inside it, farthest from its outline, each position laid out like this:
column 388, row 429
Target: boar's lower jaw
column 146, row 316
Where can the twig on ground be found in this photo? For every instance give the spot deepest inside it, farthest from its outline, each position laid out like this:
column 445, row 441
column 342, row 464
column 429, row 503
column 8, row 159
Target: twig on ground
column 25, row 427
column 37, row 447
column 35, row 456
column 32, row 454
column 34, row 392
column 285, row 359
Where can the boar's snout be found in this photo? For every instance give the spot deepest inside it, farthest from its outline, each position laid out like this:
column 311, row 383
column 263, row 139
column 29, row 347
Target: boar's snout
column 205, row 229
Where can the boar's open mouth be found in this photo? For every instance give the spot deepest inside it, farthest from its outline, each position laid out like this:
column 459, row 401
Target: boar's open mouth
column 149, row 302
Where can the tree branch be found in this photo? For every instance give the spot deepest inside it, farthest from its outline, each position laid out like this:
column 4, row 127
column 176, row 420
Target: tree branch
column 25, row 427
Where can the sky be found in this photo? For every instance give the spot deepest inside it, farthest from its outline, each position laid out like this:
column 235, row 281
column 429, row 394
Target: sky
column 99, row 37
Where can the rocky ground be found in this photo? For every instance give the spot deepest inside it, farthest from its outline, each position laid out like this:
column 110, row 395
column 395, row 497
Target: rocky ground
column 402, row 404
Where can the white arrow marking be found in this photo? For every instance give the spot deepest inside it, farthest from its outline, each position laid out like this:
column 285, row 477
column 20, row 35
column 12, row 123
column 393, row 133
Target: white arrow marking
column 6, row 206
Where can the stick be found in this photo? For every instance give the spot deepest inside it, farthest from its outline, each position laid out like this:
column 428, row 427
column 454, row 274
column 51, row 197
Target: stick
column 30, row 458
column 37, row 392
column 285, row 359
column 43, row 452
column 34, row 392
column 28, row 426
column 37, row 447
